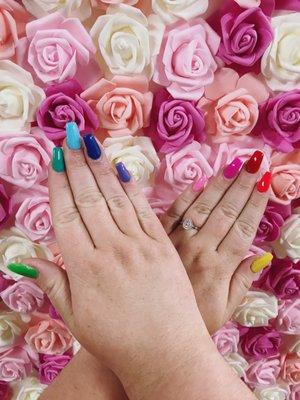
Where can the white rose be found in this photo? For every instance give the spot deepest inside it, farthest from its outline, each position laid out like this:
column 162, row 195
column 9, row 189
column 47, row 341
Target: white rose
column 10, row 328
column 19, row 97
column 128, row 40
column 70, row 8
column 170, row 10
column 237, row 363
column 14, row 247
column 272, row 393
column 29, row 389
column 288, row 245
column 256, row 309
column 281, row 62
column 136, row 152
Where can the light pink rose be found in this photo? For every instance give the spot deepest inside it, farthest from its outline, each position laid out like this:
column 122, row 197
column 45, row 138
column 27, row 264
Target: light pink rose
column 57, row 49
column 103, row 4
column 288, row 320
column 295, row 392
column 186, row 62
column 49, row 337
column 123, row 104
column 263, row 372
column 290, row 368
column 23, row 296
column 160, row 198
column 24, row 158
column 227, row 339
column 17, row 363
column 230, row 104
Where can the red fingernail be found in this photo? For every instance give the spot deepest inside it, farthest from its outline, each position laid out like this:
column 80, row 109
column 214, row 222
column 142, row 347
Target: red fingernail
column 265, row 182
column 198, row 185
column 254, row 162
column 233, row 168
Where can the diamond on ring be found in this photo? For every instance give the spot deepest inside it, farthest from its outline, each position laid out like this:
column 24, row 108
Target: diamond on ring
column 188, row 224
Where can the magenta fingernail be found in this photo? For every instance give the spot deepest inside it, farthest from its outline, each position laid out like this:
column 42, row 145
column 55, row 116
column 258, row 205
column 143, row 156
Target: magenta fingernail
column 198, row 185
column 233, row 168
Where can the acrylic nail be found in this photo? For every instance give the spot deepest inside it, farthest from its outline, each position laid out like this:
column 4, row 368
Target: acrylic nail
column 123, row 172
column 261, row 263
column 265, row 182
column 24, row 270
column 58, row 161
column 92, row 147
column 199, row 184
column 233, row 168
column 254, row 163
column 73, row 136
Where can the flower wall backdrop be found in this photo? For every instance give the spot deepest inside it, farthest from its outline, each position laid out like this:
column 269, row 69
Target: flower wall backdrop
column 175, row 90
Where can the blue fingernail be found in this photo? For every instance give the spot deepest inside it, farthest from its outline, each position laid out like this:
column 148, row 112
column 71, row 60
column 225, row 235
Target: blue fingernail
column 123, row 172
column 73, row 136
column 92, row 147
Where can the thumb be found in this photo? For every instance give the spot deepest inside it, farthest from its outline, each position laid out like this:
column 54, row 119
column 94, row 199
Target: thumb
column 246, row 273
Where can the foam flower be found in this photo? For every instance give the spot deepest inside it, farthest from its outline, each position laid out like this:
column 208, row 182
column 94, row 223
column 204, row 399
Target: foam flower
column 182, row 9
column 71, row 8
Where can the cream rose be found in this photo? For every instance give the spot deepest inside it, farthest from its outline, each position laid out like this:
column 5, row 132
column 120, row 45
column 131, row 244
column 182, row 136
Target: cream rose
column 10, row 328
column 19, row 97
column 70, row 8
column 256, row 309
column 288, row 245
column 127, row 39
column 136, row 152
column 170, row 10
column 281, row 62
column 237, row 363
column 29, row 389
column 272, row 393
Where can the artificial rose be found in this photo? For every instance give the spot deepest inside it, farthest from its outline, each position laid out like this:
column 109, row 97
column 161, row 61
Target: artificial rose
column 127, row 40
column 49, row 337
column 295, row 392
column 11, row 328
column 186, row 63
column 227, row 339
column 171, row 11
column 123, row 104
column 23, row 296
column 279, row 121
column 63, row 104
column 137, row 153
column 16, row 363
column 4, row 205
column 51, row 366
column 288, row 321
column 263, row 372
column 230, row 104
column 160, row 200
column 5, row 392
column 246, row 34
column 19, row 97
column 281, row 62
column 80, row 9
column 285, row 170
column 290, row 369
column 29, row 389
column 24, row 158
column 274, row 392
column 175, row 123
column 261, row 342
column 256, row 309
column 56, row 49
column 237, row 363
column 288, row 245
column 248, row 3
column 103, row 4
column 4, row 282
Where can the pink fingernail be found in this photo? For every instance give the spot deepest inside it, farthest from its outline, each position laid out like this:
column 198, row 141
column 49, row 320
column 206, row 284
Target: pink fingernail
column 233, row 168
column 198, row 185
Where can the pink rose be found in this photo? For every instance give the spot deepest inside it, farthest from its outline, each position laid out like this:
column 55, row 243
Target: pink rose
column 4, row 282
column 295, row 392
column 227, row 339
column 13, row 18
column 160, row 200
column 288, row 320
column 5, row 391
column 4, row 205
column 16, row 363
column 56, row 49
column 103, row 4
column 231, row 105
column 263, row 372
column 24, row 158
column 23, row 296
column 186, row 64
column 285, row 170
column 123, row 104
column 260, row 342
column 290, row 369
column 49, row 337
column 51, row 366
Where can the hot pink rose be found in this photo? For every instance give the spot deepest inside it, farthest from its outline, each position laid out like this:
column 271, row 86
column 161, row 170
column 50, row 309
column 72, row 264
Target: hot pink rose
column 51, row 366
column 49, row 337
column 123, row 104
column 186, row 62
column 23, row 296
column 4, row 205
column 4, row 283
column 227, row 339
column 288, row 320
column 261, row 342
column 16, row 363
column 263, row 372
column 24, row 158
column 290, row 368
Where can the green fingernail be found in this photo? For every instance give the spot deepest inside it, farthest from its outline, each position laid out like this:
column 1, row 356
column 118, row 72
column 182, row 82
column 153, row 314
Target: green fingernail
column 58, row 161
column 24, row 270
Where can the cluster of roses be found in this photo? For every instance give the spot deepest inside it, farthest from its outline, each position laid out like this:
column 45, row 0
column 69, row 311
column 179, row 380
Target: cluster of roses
column 222, row 87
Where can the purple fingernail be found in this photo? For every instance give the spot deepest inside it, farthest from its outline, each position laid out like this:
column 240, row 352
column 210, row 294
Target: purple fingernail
column 123, row 172
column 233, row 168
column 198, row 185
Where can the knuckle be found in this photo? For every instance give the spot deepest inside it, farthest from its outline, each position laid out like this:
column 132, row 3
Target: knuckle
column 77, row 160
column 202, row 207
column 219, row 184
column 118, row 201
column 103, row 168
column 230, row 210
column 246, row 229
column 173, row 213
column 243, row 281
column 244, row 184
column 89, row 197
column 66, row 215
column 144, row 213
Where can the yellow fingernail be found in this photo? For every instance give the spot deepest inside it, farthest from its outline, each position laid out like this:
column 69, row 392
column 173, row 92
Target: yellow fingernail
column 262, row 262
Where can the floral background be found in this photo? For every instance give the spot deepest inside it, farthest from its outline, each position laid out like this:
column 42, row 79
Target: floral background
column 175, row 90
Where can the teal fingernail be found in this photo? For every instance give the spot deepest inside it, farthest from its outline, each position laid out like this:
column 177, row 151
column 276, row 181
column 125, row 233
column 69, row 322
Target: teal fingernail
column 73, row 136
column 58, row 161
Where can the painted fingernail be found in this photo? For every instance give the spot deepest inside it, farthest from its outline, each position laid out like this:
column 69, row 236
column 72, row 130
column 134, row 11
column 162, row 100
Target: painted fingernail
column 233, row 168
column 123, row 172
column 262, row 262
column 73, row 136
column 92, row 147
column 198, row 185
column 58, row 161
column 254, row 163
column 24, row 270
column 265, row 182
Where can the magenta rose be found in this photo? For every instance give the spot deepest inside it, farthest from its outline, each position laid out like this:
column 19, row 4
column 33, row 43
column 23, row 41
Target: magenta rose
column 23, row 296
column 279, row 121
column 175, row 123
column 282, row 278
column 246, row 34
column 51, row 366
column 63, row 104
column 5, row 392
column 4, row 283
column 4, row 205
column 261, row 342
